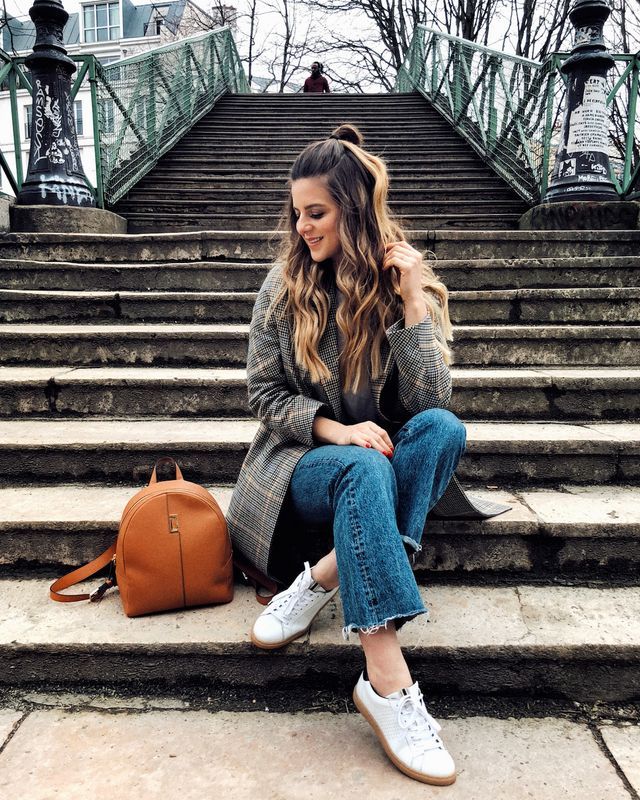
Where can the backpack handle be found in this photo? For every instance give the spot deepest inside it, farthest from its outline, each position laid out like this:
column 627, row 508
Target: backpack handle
column 165, row 460
column 80, row 574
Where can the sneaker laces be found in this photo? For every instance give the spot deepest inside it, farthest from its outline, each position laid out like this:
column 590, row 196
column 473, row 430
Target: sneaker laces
column 421, row 727
column 295, row 598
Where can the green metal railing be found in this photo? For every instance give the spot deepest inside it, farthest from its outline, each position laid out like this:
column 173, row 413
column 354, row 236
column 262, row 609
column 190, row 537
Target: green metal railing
column 141, row 106
column 13, row 78
column 510, row 109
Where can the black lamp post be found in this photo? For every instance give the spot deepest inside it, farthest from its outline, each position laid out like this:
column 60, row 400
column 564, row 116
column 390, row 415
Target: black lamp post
column 582, row 169
column 55, row 175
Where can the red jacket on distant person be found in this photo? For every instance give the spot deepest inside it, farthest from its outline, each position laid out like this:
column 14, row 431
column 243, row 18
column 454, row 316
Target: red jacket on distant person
column 316, row 82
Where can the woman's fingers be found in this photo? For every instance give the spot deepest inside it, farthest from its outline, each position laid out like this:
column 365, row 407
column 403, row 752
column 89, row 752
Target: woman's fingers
column 374, row 437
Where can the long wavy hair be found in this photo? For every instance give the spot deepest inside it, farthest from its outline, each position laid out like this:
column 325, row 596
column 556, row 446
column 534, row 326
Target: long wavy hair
column 358, row 183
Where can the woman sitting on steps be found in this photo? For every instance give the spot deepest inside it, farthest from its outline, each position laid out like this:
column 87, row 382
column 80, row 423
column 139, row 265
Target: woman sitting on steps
column 348, row 374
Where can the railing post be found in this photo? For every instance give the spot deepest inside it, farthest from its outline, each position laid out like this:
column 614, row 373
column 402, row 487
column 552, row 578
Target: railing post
column 633, row 191
column 93, row 81
column 152, row 130
column 434, row 67
column 548, row 130
column 582, row 169
column 418, row 60
column 457, row 80
column 493, row 112
column 631, row 122
column 15, row 124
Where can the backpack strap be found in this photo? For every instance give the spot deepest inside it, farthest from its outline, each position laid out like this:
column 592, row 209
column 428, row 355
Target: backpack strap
column 81, row 574
column 257, row 579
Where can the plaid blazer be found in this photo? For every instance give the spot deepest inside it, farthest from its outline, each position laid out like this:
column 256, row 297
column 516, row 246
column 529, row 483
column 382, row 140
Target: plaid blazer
column 282, row 396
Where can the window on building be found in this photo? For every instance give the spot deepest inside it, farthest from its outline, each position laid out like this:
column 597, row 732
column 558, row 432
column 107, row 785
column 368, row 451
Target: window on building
column 101, row 22
column 77, row 109
column 153, row 27
column 106, row 116
column 28, row 111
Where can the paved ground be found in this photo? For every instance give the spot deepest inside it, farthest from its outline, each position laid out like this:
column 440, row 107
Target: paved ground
column 79, row 746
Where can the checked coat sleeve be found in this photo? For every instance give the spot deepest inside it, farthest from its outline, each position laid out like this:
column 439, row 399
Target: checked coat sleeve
column 272, row 399
column 424, row 380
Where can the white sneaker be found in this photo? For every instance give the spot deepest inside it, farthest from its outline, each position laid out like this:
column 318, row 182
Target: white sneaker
column 407, row 732
column 291, row 612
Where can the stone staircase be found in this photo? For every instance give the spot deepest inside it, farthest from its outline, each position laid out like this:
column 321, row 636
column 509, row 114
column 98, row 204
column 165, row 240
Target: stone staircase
column 115, row 350
column 230, row 171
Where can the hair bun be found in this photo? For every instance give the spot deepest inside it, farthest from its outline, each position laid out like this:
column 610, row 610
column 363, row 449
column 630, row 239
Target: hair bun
column 348, row 133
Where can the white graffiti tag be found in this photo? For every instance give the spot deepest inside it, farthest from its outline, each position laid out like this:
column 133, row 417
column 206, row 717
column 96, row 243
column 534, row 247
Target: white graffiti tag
column 48, row 108
column 69, row 194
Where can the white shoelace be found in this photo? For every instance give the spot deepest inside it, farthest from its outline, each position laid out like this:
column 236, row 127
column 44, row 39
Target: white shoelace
column 295, row 598
column 421, row 727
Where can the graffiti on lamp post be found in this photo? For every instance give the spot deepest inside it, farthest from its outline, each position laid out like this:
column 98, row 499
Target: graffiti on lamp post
column 55, row 175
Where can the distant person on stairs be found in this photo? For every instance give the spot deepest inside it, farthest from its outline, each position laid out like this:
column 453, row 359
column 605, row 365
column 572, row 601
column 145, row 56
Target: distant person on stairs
column 316, row 82
column 348, row 373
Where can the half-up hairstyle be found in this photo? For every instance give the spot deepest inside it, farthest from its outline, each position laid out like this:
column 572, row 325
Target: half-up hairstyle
column 358, row 183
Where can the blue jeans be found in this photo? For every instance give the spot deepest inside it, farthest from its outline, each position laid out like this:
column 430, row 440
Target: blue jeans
column 378, row 507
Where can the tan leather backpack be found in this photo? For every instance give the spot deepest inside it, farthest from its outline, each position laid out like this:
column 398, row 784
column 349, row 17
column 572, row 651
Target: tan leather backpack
column 172, row 551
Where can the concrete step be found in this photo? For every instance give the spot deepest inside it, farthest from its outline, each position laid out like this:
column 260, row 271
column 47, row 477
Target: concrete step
column 204, row 276
column 550, row 758
column 119, row 450
column 402, row 170
column 141, row 222
column 185, row 276
column 577, row 643
column 319, row 126
column 536, row 306
column 467, row 204
column 313, row 129
column 250, row 161
column 156, row 189
column 571, row 533
column 192, row 178
column 375, row 117
column 559, row 394
column 303, row 105
column 226, row 345
column 537, row 271
column 284, row 150
column 261, row 246
column 387, row 112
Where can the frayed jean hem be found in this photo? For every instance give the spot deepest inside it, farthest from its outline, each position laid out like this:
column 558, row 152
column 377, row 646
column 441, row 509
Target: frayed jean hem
column 412, row 543
column 349, row 629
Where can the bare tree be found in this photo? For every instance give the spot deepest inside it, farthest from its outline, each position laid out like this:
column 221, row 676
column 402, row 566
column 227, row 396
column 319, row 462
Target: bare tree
column 469, row 19
column 378, row 55
column 291, row 42
column 5, row 22
column 392, row 23
column 537, row 28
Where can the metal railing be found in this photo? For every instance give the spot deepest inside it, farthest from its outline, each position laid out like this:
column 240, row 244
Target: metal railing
column 13, row 78
column 510, row 109
column 141, row 106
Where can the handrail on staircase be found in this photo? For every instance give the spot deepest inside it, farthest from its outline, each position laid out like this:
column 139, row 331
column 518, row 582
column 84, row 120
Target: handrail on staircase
column 509, row 108
column 140, row 106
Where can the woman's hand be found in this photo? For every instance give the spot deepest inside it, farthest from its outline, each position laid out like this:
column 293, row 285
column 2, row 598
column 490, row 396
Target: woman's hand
column 408, row 263
column 367, row 434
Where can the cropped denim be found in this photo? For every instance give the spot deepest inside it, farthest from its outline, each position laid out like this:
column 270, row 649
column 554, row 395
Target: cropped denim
column 378, row 507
